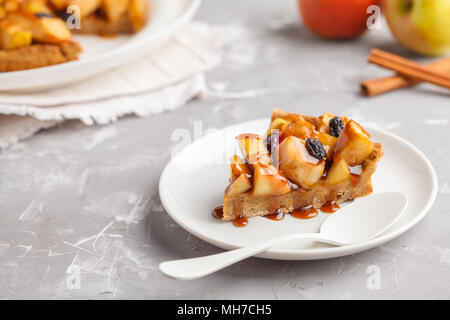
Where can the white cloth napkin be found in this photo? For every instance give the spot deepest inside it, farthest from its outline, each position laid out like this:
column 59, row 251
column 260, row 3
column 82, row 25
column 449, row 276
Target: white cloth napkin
column 162, row 80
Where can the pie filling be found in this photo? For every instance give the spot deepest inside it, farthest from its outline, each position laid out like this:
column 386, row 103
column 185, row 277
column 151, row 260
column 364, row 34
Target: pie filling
column 35, row 33
column 303, row 163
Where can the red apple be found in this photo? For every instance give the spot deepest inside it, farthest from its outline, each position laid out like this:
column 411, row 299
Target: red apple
column 336, row 19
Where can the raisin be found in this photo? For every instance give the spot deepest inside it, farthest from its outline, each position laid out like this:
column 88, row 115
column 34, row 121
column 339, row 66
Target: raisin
column 315, row 148
column 336, row 125
column 42, row 15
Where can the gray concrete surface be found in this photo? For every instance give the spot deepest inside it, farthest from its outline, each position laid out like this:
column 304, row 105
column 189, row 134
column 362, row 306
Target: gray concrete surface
column 80, row 215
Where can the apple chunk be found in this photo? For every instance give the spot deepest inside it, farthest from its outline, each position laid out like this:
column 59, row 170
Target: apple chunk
column 53, row 30
column 239, row 185
column 59, row 4
column 45, row 29
column 298, row 165
column 137, row 13
column 239, row 167
column 34, row 7
column 253, row 148
column 353, row 145
column 12, row 36
column 277, row 124
column 86, row 6
column 114, row 9
column 339, row 172
column 267, row 180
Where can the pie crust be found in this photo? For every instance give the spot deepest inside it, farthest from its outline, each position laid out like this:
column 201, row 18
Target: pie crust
column 38, row 55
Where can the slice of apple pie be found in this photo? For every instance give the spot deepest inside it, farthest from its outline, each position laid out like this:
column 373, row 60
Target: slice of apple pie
column 34, row 33
column 32, row 36
column 304, row 162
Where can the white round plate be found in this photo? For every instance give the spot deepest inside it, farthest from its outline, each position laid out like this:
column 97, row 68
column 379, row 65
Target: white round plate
column 101, row 54
column 193, row 183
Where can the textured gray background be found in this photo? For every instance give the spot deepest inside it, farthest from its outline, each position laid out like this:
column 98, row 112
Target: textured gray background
column 85, row 199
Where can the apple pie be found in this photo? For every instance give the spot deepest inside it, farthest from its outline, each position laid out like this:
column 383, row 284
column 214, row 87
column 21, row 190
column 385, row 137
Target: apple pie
column 34, row 33
column 303, row 164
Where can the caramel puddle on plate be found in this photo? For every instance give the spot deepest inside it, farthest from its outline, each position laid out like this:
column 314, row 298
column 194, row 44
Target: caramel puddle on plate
column 217, row 212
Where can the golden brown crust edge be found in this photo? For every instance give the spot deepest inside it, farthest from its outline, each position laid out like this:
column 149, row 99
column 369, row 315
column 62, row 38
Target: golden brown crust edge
column 37, row 56
column 250, row 206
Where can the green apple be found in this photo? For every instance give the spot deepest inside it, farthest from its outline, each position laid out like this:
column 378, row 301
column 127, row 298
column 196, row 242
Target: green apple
column 423, row 26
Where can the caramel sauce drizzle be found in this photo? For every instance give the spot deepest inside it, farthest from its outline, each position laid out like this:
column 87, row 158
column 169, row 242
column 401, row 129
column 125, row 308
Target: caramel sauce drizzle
column 301, row 213
column 330, row 207
column 276, row 216
column 249, row 135
column 305, row 213
column 354, row 179
column 240, row 222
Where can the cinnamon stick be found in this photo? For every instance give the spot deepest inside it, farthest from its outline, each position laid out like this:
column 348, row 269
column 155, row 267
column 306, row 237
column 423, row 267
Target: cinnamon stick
column 409, row 68
column 378, row 86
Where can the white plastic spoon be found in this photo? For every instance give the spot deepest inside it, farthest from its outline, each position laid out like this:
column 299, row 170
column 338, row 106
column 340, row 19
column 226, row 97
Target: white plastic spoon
column 364, row 219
